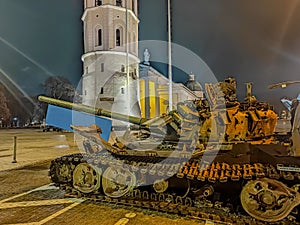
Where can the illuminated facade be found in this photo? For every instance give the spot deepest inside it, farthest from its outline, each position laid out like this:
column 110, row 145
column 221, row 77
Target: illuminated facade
column 111, row 64
column 110, row 61
column 154, row 92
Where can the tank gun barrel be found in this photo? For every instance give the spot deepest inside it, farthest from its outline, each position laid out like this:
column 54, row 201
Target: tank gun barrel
column 93, row 110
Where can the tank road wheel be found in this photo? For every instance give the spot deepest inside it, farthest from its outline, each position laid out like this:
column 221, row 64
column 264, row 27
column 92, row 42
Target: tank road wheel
column 86, row 178
column 117, row 181
column 61, row 172
column 268, row 200
column 160, row 186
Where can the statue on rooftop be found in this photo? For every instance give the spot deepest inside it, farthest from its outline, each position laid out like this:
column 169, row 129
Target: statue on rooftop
column 146, row 57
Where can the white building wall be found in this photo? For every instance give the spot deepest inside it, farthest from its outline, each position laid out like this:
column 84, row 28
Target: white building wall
column 109, row 18
column 102, row 62
column 101, row 66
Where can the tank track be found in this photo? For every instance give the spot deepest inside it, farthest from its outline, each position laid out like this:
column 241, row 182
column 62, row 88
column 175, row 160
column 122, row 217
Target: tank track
column 191, row 170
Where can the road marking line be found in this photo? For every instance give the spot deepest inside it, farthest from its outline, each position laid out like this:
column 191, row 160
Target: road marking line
column 35, row 203
column 130, row 215
column 59, row 213
column 16, row 196
column 50, row 217
column 4, row 204
column 44, row 187
column 124, row 221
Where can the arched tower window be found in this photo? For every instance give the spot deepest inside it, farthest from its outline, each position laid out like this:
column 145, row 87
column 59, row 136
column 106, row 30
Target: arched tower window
column 101, row 91
column 99, row 37
column 98, row 2
column 118, row 37
column 119, row 3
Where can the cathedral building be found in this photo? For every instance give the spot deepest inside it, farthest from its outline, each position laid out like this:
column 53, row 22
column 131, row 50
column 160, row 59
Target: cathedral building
column 112, row 66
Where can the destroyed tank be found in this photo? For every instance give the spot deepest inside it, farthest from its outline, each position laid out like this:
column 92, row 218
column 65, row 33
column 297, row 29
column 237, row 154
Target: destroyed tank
column 214, row 159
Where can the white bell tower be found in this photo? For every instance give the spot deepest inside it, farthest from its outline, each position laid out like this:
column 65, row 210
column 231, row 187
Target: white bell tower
column 110, row 60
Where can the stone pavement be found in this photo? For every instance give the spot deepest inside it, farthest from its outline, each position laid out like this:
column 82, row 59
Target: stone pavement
column 33, row 146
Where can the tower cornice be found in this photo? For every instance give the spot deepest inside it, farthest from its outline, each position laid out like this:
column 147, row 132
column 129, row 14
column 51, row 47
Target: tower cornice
column 108, row 6
column 109, row 52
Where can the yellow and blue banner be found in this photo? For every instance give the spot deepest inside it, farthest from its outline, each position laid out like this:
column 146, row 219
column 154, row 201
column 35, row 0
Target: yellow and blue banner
column 63, row 118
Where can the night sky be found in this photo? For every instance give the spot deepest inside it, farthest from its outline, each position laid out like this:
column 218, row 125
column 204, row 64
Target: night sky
column 253, row 40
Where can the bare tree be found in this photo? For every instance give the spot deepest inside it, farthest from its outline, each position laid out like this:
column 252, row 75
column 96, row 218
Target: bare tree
column 55, row 87
column 60, row 88
column 39, row 111
column 4, row 110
